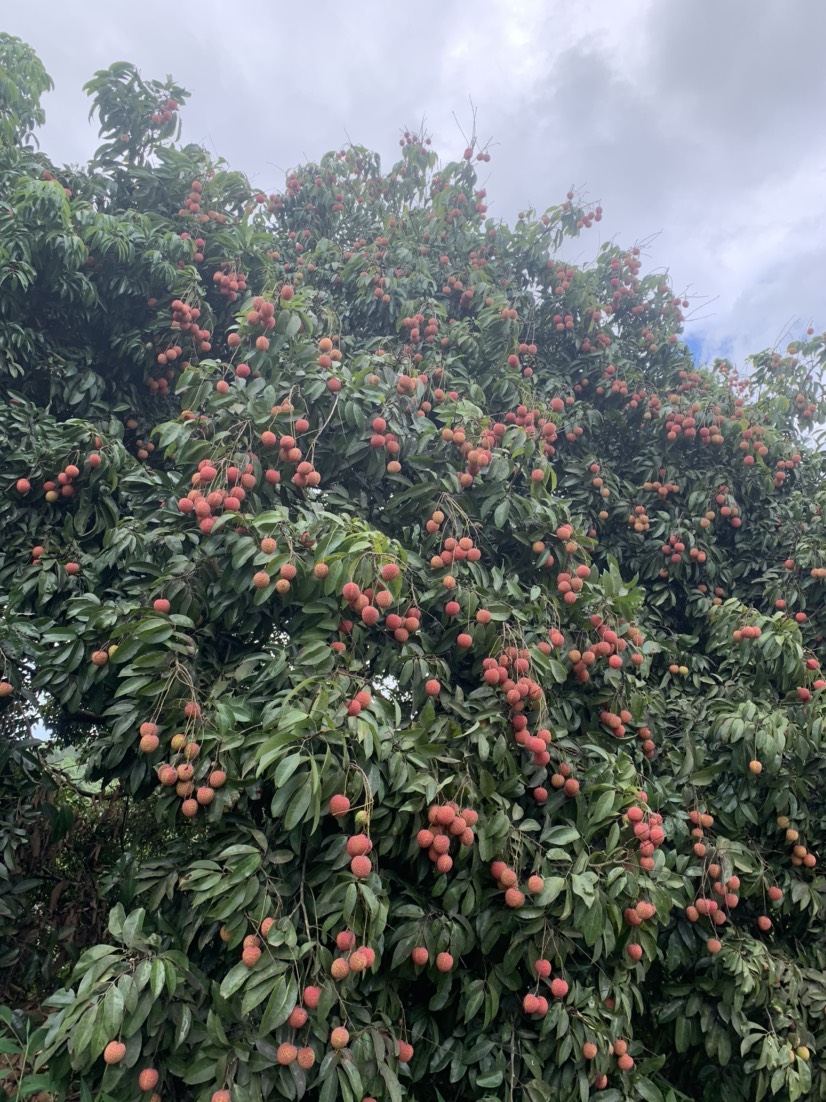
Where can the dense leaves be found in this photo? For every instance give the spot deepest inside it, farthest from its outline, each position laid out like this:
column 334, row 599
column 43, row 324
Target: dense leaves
column 459, row 634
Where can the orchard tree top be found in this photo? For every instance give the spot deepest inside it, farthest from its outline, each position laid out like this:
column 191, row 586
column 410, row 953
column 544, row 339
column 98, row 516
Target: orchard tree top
column 444, row 641
column 23, row 80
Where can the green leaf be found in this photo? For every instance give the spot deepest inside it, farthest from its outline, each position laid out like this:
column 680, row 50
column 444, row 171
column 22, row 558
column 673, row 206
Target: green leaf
column 112, row 1012
column 234, row 980
column 281, row 1002
column 132, row 927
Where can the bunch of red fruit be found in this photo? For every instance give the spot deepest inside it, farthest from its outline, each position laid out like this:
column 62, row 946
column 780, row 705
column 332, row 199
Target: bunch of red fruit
column 356, row 959
column 477, row 458
column 454, row 550
column 499, row 673
column 648, row 830
column 63, row 484
column 446, row 823
column 229, row 282
column 536, row 745
column 180, row 774
column 358, row 848
column 205, row 502
column 164, row 113
column 184, row 318
column 507, row 880
column 563, row 779
column 381, row 437
column 536, row 1004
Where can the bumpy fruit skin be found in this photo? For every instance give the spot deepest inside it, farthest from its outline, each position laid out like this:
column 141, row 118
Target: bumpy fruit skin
column 339, row 969
column 542, row 968
column 286, row 1054
column 444, row 962
column 559, row 988
column 345, row 940
column 405, row 1052
column 306, row 1058
column 251, row 956
column 311, row 997
column 358, row 962
column 220, row 1096
column 589, row 1050
column 148, row 1079
column 298, row 1017
column 339, row 805
column 358, row 845
column 361, row 867
column 634, row 951
column 339, row 1037
column 419, row 956
column 514, row 898
column 114, row 1052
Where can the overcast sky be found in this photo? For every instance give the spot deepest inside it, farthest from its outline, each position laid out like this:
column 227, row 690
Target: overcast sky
column 699, row 126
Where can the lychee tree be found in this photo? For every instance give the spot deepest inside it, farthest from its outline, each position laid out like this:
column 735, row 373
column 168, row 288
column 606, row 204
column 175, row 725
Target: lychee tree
column 447, row 640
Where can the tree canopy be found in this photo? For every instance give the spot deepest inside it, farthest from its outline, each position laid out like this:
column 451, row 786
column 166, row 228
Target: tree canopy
column 431, row 646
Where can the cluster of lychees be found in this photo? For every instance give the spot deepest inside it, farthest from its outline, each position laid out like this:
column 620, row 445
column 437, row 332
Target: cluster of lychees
column 648, row 831
column 477, row 456
column 227, row 498
column 536, row 1004
column 62, row 484
column 800, row 855
column 184, row 319
column 369, row 604
column 195, row 781
column 453, row 550
column 508, row 673
column 358, row 845
column 382, row 437
column 507, row 879
column 446, row 824
column 356, row 959
column 164, row 112
column 616, row 724
column 229, row 282
column 610, row 645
